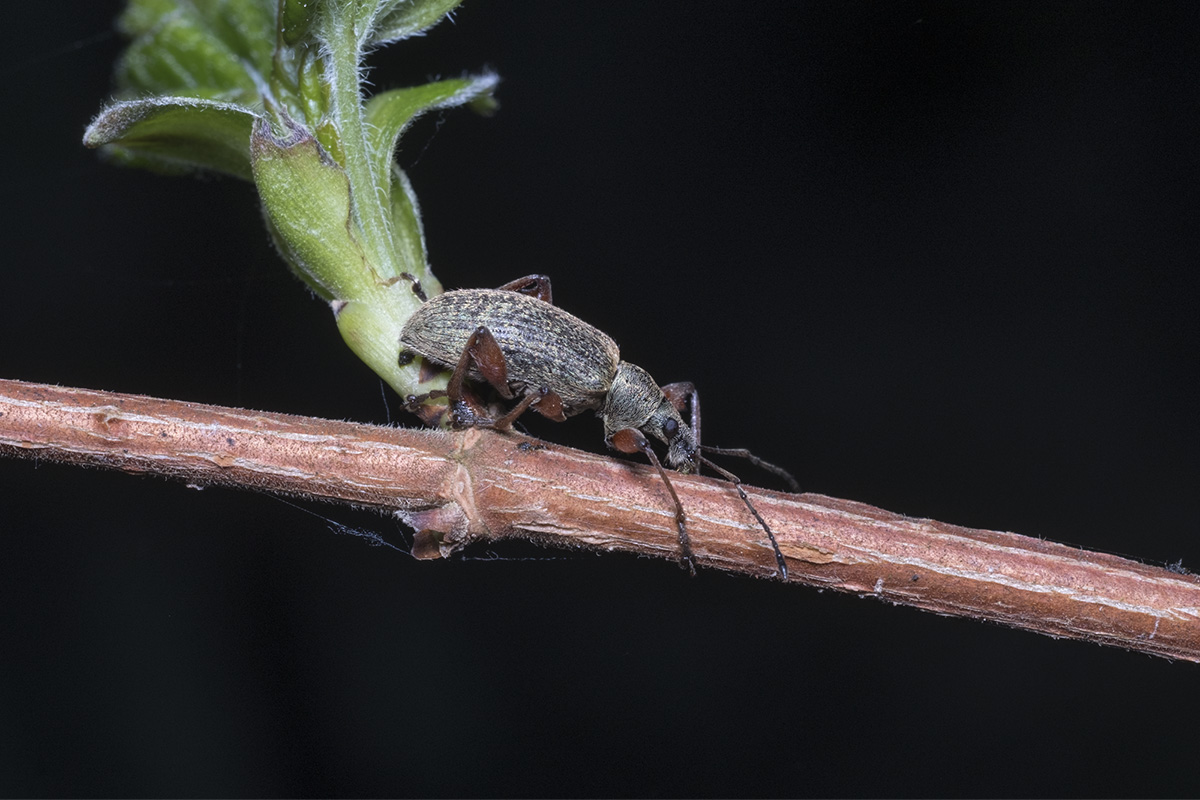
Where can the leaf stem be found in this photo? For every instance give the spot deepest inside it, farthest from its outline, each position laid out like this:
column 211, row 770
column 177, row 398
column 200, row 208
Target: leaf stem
column 369, row 198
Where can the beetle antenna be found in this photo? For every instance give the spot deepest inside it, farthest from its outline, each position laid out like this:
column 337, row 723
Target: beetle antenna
column 766, row 466
column 737, row 484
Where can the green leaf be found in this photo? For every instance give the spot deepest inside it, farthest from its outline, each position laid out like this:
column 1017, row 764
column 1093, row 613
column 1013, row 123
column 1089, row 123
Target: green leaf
column 389, row 113
column 270, row 90
column 140, row 16
column 400, row 19
column 176, row 135
column 215, row 49
column 408, row 234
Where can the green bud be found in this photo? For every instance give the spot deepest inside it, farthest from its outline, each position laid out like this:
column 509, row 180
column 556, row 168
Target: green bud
column 295, row 20
column 306, row 196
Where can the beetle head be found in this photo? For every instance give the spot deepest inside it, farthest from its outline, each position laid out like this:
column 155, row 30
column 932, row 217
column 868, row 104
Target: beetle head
column 681, row 442
column 635, row 401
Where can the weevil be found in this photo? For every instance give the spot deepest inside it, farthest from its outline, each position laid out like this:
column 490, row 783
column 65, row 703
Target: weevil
column 526, row 348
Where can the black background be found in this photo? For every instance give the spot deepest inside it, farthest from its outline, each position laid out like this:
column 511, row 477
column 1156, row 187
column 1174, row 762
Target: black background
column 937, row 257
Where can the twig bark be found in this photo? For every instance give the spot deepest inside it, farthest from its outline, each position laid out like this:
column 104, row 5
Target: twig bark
column 477, row 484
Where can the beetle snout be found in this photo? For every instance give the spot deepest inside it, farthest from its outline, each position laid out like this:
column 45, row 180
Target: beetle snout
column 682, row 455
column 681, row 446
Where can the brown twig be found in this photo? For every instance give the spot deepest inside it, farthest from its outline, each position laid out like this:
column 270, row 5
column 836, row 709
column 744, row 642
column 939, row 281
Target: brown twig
column 478, row 484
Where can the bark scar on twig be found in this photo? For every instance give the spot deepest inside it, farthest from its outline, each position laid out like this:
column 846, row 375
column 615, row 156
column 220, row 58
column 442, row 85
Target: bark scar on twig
column 450, row 526
column 462, row 492
column 807, row 552
column 462, row 484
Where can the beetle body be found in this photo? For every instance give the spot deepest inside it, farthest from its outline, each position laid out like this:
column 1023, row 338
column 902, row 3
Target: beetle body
column 546, row 347
column 527, row 349
column 542, row 344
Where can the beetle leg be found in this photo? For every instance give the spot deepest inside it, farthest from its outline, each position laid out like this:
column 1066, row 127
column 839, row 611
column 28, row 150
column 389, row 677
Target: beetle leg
column 533, row 285
column 679, row 394
column 550, row 406
column 412, row 401
column 505, row 422
column 415, row 285
column 489, row 360
column 482, row 352
column 631, row 440
column 428, row 414
column 548, row 403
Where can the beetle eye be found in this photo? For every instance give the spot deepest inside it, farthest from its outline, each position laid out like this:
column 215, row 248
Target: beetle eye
column 670, row 428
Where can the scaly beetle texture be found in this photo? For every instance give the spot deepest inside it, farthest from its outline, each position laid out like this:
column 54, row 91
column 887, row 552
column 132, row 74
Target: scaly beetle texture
column 516, row 340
